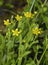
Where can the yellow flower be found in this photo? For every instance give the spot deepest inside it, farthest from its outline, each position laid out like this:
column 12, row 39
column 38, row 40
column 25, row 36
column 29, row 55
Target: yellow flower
column 6, row 22
column 16, row 32
column 28, row 14
column 18, row 17
column 35, row 12
column 36, row 31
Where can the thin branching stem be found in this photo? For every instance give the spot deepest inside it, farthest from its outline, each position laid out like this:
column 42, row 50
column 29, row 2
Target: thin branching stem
column 43, row 52
column 32, row 5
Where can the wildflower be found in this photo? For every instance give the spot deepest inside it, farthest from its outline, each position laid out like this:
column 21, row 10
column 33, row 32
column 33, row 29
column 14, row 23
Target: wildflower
column 35, row 12
column 28, row 14
column 6, row 22
column 36, row 31
column 16, row 32
column 18, row 17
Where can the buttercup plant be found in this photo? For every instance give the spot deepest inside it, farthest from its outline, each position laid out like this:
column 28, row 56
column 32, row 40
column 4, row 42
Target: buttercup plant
column 26, row 40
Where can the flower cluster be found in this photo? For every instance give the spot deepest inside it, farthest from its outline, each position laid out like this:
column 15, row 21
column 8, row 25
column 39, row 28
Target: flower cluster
column 16, row 32
column 18, row 18
column 6, row 22
column 28, row 14
column 36, row 31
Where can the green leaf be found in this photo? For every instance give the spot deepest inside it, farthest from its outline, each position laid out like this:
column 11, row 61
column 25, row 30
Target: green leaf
column 46, row 20
column 26, row 53
column 1, row 2
column 10, row 44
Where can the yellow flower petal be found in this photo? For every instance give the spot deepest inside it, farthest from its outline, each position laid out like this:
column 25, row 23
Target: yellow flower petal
column 18, row 18
column 28, row 14
column 6, row 22
column 36, row 31
column 16, row 32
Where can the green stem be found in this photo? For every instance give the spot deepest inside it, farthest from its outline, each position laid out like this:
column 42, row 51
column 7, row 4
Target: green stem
column 19, row 50
column 44, row 2
column 19, row 61
column 46, row 40
column 25, row 60
column 32, row 5
column 40, row 10
column 35, row 56
column 19, row 57
column 42, row 56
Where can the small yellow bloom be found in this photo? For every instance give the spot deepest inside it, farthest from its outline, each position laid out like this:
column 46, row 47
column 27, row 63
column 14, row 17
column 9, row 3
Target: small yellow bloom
column 6, row 22
column 28, row 14
column 18, row 17
column 36, row 31
column 35, row 12
column 16, row 32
